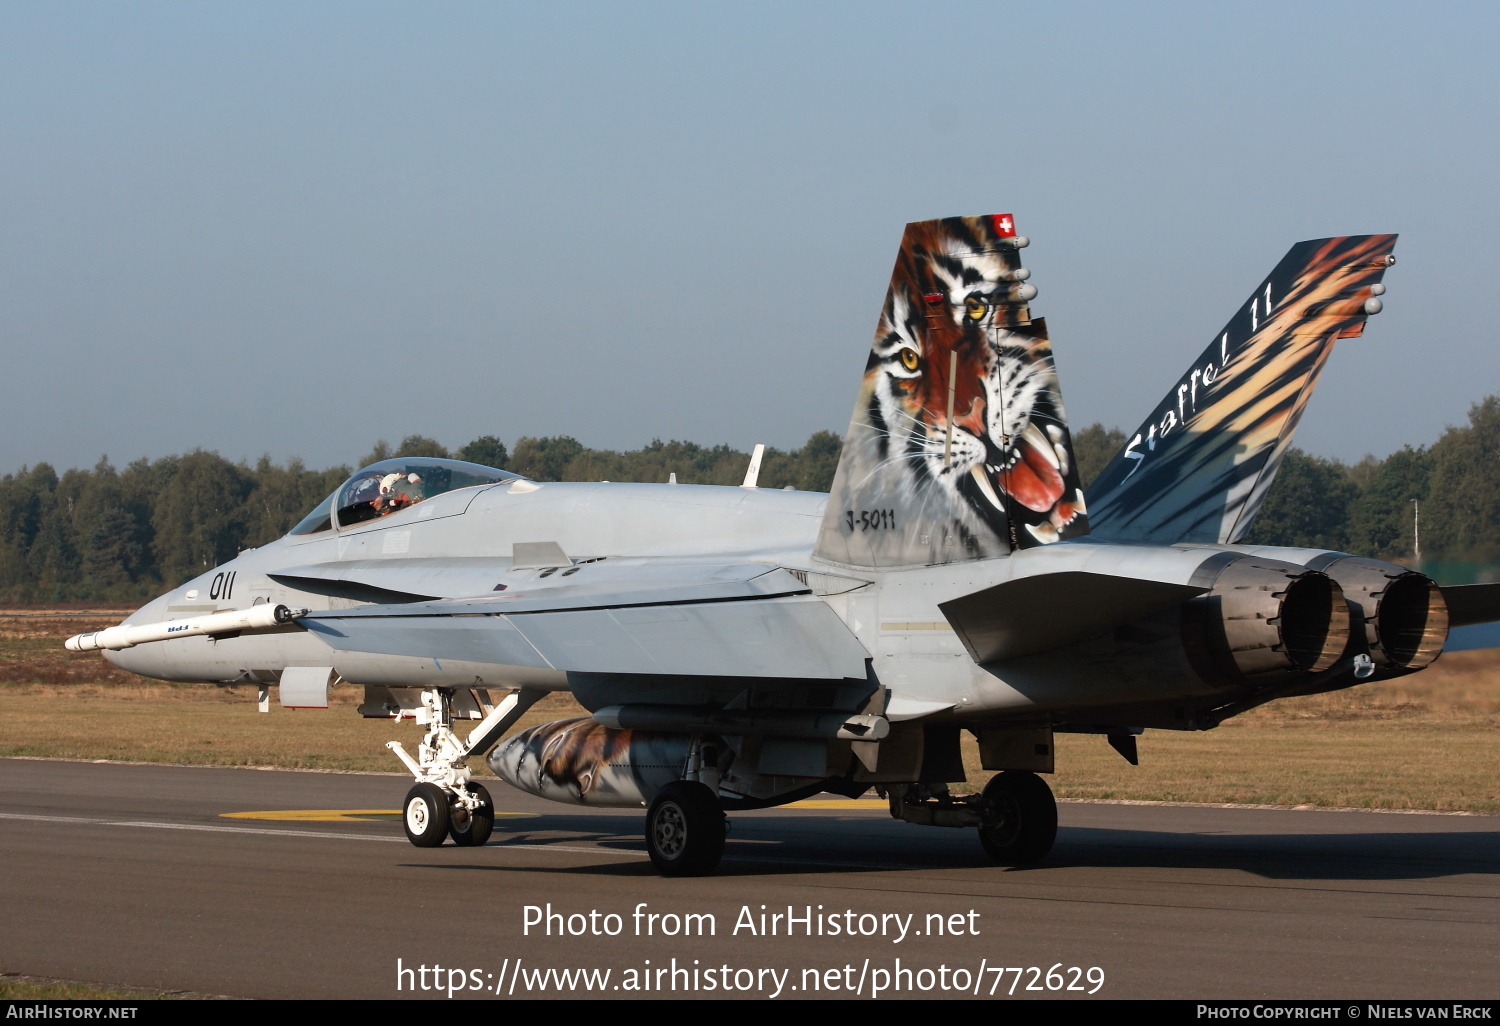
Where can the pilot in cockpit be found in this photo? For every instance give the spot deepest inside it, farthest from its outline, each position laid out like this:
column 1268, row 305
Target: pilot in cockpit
column 393, row 485
column 396, row 493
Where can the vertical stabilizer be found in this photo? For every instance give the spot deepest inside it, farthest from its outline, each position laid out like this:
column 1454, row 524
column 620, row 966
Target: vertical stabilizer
column 958, row 448
column 1199, row 466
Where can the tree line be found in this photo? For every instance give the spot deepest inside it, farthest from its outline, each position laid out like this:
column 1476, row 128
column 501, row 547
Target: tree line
column 123, row 535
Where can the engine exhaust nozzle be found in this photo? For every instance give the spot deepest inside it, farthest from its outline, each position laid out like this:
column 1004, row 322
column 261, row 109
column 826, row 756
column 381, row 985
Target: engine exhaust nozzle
column 1406, row 618
column 1264, row 620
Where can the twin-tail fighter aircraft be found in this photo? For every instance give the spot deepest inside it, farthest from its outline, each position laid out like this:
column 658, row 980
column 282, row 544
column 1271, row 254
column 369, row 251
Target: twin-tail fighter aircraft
column 742, row 648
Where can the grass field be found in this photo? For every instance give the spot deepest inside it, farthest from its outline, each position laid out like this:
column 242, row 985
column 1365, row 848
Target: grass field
column 14, row 987
column 1428, row 741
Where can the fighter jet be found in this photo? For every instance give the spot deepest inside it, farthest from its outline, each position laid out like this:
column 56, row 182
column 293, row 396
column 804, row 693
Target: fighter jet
column 740, row 648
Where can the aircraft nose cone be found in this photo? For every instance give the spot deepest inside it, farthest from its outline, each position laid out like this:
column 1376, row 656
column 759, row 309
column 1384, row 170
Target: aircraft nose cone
column 152, row 612
column 144, row 660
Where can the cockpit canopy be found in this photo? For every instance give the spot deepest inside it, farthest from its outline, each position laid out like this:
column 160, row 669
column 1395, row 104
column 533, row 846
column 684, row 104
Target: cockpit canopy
column 393, row 485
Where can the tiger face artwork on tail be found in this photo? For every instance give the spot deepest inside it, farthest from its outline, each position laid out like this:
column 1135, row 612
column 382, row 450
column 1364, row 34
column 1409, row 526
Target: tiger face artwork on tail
column 958, row 447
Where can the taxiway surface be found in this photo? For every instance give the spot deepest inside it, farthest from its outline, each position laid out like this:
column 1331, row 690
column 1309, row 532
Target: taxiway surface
column 135, row 875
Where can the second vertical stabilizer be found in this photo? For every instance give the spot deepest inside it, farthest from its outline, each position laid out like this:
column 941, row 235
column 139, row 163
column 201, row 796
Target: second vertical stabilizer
column 1199, row 467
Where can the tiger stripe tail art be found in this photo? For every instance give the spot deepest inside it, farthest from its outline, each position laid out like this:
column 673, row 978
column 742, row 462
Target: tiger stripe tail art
column 1199, row 467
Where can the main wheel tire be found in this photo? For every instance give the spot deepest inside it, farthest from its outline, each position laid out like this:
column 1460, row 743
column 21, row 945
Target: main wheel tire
column 425, row 815
column 472, row 829
column 1025, row 818
column 685, row 830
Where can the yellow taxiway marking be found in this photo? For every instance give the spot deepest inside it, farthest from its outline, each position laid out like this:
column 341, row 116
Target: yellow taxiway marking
column 837, row 803
column 341, row 815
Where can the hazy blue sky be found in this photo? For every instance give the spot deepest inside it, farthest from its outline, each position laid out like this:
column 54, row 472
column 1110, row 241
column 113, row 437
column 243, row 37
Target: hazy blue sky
column 296, row 228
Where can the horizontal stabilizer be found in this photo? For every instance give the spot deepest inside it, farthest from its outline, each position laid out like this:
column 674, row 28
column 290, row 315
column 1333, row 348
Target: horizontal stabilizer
column 1472, row 603
column 1037, row 614
column 1474, row 636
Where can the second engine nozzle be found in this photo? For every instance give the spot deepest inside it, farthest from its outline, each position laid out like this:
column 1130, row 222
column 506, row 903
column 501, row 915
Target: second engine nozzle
column 1406, row 619
column 1264, row 620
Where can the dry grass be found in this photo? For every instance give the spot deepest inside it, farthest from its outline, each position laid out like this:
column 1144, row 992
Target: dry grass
column 60, row 704
column 1424, row 741
column 31, row 988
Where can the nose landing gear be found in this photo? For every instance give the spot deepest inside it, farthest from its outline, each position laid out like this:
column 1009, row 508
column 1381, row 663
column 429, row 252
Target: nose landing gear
column 444, row 802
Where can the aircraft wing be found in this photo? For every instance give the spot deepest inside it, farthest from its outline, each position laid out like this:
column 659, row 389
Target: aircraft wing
column 1470, row 604
column 739, row 620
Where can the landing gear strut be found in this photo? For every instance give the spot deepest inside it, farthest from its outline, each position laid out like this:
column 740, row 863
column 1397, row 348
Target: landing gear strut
column 1020, row 820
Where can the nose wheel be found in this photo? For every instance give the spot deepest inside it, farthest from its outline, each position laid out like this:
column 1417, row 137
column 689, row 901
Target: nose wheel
column 1020, row 821
column 685, row 829
column 471, row 828
column 425, row 815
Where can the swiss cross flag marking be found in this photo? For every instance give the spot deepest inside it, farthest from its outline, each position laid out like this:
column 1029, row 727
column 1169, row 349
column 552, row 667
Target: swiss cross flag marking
column 1005, row 225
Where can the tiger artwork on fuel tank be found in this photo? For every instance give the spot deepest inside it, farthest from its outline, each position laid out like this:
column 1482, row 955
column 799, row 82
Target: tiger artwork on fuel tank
column 580, row 761
column 958, row 448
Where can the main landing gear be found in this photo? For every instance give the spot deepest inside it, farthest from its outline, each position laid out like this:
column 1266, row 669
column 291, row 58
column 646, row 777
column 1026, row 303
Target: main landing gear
column 1015, row 813
column 1020, row 823
column 685, row 829
column 444, row 802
